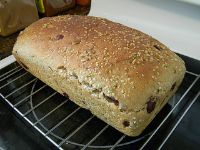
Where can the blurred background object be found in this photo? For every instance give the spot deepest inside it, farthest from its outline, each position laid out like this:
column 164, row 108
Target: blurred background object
column 83, row 2
column 16, row 14
column 50, row 8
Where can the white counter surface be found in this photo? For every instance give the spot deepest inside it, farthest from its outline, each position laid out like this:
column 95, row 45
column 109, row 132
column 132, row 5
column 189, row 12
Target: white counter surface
column 174, row 23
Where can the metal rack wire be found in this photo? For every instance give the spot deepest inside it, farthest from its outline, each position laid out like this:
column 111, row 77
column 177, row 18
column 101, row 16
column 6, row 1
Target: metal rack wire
column 68, row 126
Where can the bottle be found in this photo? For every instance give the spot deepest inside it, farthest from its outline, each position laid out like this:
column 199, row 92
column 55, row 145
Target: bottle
column 83, row 2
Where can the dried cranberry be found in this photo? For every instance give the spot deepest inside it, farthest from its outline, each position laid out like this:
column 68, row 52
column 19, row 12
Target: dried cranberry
column 126, row 123
column 59, row 37
column 151, row 105
column 173, row 86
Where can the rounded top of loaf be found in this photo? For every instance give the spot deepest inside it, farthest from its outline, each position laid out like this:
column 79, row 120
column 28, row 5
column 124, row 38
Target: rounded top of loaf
column 114, row 59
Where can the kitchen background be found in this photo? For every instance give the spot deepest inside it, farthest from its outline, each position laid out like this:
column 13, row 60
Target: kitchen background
column 183, row 22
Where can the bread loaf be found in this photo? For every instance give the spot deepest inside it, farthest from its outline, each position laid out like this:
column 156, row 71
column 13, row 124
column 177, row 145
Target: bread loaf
column 120, row 74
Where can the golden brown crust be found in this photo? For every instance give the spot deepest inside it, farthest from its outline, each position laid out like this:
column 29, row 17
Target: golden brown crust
column 129, row 70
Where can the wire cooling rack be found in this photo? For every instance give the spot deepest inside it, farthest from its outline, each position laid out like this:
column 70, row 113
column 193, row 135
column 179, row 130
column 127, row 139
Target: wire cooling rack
column 67, row 126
